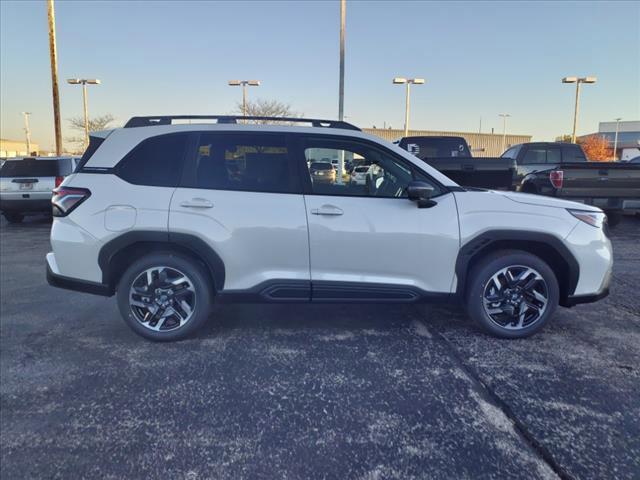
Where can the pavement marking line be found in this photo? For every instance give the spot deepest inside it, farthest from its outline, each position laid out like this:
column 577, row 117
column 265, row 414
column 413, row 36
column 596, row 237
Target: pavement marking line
column 491, row 400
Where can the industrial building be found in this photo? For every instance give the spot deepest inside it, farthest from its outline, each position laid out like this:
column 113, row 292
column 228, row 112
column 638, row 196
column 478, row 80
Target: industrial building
column 16, row 148
column 481, row 144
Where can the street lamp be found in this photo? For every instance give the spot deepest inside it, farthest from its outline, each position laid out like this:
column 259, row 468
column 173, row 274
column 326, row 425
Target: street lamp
column 84, row 82
column 27, row 131
column 615, row 142
column 504, row 128
column 243, row 84
column 408, row 82
column 578, row 81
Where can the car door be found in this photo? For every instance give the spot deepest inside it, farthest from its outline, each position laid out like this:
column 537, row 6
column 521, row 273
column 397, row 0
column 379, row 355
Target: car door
column 369, row 241
column 241, row 195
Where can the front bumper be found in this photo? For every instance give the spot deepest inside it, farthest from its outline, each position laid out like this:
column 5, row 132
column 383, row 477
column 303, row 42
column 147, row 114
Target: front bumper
column 578, row 299
column 60, row 281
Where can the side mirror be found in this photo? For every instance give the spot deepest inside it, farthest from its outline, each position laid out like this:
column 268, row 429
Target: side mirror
column 421, row 192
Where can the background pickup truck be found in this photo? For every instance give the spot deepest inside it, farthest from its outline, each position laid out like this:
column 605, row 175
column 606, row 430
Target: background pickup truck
column 562, row 170
column 452, row 156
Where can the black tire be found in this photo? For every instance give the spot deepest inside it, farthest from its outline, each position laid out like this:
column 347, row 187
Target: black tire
column 613, row 218
column 13, row 217
column 198, row 279
column 477, row 288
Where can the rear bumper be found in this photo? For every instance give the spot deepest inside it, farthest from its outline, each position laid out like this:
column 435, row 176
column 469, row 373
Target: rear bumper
column 25, row 205
column 59, row 281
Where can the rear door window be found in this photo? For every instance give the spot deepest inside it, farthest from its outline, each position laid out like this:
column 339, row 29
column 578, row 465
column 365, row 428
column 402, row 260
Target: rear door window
column 535, row 155
column 256, row 162
column 157, row 161
column 572, row 154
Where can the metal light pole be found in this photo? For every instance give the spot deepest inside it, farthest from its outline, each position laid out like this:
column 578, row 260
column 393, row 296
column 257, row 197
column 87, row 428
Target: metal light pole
column 53, row 55
column 343, row 14
column 84, row 82
column 27, row 131
column 615, row 141
column 578, row 81
column 504, row 128
column 407, row 82
column 243, row 84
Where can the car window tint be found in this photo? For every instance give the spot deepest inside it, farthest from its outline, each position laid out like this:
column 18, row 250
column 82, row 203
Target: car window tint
column 535, row 155
column 157, row 161
column 511, row 153
column 553, row 155
column 248, row 162
column 375, row 172
column 572, row 154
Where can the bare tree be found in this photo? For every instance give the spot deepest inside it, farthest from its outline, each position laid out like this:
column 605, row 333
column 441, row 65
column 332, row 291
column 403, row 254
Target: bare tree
column 266, row 108
column 77, row 123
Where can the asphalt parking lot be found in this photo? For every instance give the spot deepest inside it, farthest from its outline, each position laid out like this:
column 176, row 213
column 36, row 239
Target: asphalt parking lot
column 321, row 391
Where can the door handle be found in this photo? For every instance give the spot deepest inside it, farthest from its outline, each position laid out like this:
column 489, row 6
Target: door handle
column 197, row 203
column 327, row 210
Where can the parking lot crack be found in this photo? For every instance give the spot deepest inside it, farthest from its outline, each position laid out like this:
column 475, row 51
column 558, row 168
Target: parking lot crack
column 495, row 408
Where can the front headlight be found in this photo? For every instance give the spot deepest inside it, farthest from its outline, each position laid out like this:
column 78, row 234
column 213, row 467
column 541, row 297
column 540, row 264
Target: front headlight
column 595, row 219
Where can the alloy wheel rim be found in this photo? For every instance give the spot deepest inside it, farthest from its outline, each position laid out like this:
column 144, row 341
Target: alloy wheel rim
column 515, row 297
column 162, row 299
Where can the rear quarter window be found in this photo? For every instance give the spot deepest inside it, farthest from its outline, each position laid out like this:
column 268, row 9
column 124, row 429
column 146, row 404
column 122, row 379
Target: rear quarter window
column 156, row 161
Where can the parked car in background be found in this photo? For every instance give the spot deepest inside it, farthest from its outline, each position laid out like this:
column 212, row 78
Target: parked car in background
column 359, row 174
column 26, row 184
column 635, row 160
column 154, row 215
column 322, row 172
column 452, row 156
column 561, row 170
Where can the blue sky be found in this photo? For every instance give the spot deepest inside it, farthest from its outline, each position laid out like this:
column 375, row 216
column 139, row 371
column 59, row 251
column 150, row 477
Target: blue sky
column 479, row 59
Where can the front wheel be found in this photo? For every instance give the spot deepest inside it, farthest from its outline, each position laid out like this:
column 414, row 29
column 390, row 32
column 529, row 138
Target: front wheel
column 165, row 296
column 512, row 294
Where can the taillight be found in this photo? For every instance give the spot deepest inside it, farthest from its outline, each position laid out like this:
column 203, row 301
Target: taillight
column 66, row 199
column 59, row 181
column 557, row 178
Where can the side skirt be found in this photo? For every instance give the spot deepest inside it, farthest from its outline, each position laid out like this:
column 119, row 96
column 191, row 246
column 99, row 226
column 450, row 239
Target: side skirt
column 302, row 291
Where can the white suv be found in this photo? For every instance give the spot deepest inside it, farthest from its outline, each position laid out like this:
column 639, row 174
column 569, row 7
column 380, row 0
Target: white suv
column 172, row 217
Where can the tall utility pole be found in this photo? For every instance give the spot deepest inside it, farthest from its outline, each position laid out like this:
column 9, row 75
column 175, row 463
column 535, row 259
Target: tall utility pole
column 243, row 84
column 578, row 82
column 504, row 128
column 615, row 142
column 53, row 54
column 27, row 131
column 84, row 82
column 343, row 14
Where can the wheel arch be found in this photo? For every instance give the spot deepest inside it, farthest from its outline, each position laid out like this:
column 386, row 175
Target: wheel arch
column 546, row 246
column 116, row 255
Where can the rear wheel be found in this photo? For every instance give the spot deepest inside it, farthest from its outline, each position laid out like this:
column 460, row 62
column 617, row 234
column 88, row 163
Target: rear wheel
column 13, row 217
column 165, row 296
column 512, row 294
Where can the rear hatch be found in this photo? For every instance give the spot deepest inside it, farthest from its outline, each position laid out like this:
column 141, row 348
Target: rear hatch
column 31, row 175
column 600, row 179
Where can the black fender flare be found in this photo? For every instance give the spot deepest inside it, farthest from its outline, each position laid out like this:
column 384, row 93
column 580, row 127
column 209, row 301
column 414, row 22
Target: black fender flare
column 192, row 243
column 484, row 241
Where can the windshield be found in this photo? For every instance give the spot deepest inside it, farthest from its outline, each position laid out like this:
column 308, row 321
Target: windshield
column 361, row 169
column 36, row 168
